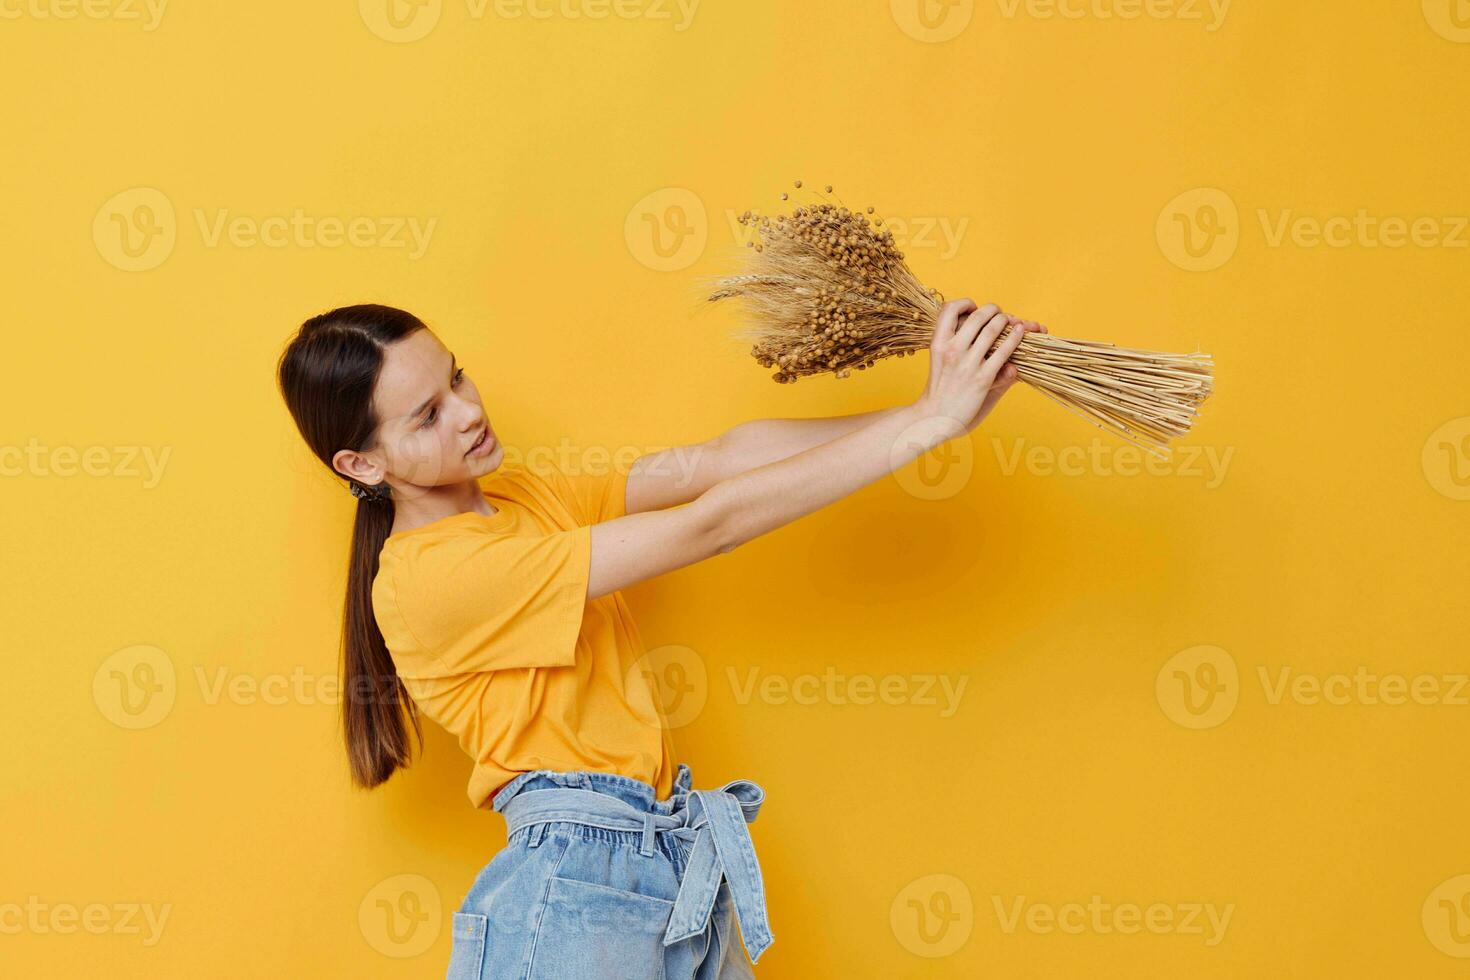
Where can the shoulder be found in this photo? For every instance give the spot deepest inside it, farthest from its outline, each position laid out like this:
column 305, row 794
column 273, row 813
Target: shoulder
column 540, row 488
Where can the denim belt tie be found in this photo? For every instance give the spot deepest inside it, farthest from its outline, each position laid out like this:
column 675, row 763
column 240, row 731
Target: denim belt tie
column 713, row 820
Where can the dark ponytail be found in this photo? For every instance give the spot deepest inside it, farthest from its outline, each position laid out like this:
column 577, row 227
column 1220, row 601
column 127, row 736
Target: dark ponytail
column 327, row 375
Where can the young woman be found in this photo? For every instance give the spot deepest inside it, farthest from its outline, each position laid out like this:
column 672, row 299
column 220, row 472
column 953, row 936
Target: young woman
column 486, row 597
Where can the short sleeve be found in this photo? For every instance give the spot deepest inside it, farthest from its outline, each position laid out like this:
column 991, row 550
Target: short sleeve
column 478, row 602
column 594, row 497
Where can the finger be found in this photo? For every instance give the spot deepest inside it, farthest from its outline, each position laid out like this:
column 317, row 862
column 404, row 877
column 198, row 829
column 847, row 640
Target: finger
column 965, row 335
column 1008, row 377
column 986, row 340
column 949, row 316
column 996, row 361
column 1004, row 380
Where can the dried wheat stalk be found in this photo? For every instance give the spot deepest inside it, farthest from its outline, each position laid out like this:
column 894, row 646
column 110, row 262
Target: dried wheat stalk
column 827, row 291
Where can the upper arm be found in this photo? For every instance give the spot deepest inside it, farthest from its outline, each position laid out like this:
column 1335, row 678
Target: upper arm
column 639, row 546
column 673, row 476
column 637, row 530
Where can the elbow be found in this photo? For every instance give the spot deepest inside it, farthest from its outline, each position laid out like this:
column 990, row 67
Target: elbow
column 719, row 520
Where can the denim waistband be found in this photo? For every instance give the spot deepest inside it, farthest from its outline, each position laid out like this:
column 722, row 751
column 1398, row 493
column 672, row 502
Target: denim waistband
column 715, row 821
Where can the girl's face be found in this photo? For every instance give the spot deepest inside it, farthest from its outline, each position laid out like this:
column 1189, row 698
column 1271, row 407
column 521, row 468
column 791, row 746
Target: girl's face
column 433, row 430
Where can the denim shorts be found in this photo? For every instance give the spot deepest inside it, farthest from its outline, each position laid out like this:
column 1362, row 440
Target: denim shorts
column 599, row 879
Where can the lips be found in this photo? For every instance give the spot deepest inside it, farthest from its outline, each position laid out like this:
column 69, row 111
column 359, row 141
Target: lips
column 479, row 443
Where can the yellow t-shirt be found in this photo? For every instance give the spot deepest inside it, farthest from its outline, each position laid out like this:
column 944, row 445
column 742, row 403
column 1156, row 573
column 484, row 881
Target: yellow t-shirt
column 489, row 626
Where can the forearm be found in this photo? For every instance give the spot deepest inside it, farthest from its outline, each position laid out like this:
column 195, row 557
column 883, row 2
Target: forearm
column 771, row 495
column 761, row 441
column 679, row 474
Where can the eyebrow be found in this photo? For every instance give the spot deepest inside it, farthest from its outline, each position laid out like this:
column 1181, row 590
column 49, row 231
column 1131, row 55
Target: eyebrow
column 453, row 365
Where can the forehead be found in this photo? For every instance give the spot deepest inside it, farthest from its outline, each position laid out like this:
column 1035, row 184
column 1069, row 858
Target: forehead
column 413, row 370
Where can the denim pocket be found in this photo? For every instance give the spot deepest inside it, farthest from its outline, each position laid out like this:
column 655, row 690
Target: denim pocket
column 592, row 931
column 467, row 952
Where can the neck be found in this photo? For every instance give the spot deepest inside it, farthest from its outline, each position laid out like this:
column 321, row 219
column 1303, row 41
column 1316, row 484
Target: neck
column 424, row 506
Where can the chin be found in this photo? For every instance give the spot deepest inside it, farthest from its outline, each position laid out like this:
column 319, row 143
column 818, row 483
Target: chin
column 488, row 465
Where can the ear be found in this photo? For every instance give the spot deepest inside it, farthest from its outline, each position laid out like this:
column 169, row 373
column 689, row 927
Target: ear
column 356, row 466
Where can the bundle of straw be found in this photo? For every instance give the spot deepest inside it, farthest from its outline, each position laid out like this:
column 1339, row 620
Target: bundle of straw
column 827, row 291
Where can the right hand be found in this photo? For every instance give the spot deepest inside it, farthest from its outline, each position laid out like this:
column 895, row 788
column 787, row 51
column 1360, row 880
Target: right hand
column 960, row 372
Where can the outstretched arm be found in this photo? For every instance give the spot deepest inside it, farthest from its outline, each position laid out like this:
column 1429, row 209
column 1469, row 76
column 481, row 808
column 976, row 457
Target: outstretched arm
column 963, row 371
column 679, row 474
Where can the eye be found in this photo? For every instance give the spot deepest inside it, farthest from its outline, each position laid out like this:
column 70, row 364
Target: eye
column 434, row 412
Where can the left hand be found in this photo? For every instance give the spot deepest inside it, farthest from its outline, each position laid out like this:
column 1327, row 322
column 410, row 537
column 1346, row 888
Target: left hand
column 1007, row 376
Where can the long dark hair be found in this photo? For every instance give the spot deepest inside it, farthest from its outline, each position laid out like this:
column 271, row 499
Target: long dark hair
column 327, row 375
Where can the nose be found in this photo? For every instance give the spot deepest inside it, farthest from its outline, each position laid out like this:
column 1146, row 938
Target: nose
column 473, row 417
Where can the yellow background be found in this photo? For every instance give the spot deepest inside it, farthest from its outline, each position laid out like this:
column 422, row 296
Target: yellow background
column 1334, row 540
